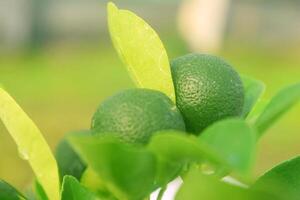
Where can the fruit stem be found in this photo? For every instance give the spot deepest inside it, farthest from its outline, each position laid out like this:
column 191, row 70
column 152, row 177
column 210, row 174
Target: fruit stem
column 161, row 193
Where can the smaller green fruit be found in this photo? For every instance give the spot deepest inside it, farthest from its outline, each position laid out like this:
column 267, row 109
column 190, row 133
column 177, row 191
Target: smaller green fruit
column 134, row 115
column 69, row 163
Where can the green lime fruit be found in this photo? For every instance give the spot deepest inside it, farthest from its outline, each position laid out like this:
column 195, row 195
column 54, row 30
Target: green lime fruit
column 68, row 161
column 207, row 90
column 134, row 115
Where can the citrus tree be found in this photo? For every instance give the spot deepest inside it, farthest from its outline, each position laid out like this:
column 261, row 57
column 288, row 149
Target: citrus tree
column 194, row 117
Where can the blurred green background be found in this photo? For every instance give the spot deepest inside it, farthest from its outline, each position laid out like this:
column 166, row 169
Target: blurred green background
column 57, row 61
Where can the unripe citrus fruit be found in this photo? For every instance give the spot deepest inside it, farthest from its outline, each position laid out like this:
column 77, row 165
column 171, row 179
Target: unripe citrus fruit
column 207, row 90
column 134, row 115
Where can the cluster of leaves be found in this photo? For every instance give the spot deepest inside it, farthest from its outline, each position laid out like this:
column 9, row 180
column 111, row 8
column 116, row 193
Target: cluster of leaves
column 126, row 172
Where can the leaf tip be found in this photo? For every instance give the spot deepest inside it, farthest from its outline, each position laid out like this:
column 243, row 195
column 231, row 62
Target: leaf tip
column 111, row 8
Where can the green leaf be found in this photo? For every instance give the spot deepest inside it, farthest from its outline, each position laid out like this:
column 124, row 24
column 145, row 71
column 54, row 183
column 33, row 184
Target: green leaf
column 7, row 192
column 181, row 148
column 283, row 180
column 174, row 150
column 141, row 49
column 91, row 180
column 127, row 171
column 72, row 190
column 31, row 144
column 198, row 186
column 257, row 110
column 69, row 163
column 40, row 192
column 235, row 141
column 253, row 91
column 278, row 105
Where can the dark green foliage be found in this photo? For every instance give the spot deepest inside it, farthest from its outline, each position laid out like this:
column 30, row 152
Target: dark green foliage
column 198, row 186
column 253, row 91
column 283, row 180
column 72, row 190
column 237, row 145
column 8, row 192
column 128, row 171
column 69, row 163
column 278, row 105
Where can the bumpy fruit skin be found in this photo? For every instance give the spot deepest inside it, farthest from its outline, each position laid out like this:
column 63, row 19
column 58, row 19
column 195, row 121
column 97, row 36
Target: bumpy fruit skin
column 207, row 90
column 135, row 114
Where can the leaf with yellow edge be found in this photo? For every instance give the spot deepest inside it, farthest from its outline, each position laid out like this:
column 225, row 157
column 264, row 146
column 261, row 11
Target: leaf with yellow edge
column 141, row 50
column 31, row 144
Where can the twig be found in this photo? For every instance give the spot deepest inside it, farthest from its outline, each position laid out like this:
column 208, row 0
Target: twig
column 161, row 193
